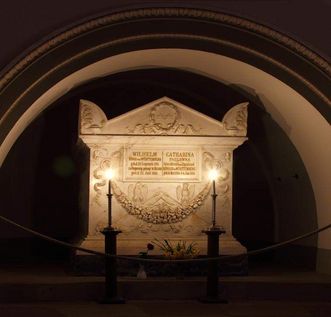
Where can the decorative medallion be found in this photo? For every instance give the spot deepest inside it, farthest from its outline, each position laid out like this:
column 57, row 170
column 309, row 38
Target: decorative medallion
column 164, row 115
column 164, row 119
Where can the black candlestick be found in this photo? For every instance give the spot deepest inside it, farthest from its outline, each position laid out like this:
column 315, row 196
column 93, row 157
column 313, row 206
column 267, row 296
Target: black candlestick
column 110, row 195
column 212, row 287
column 111, row 296
column 214, row 195
column 110, row 234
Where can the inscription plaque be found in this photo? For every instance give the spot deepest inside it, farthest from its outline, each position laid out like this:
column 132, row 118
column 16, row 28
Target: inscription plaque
column 161, row 164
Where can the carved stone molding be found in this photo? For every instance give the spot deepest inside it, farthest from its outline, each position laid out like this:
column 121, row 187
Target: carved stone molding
column 235, row 120
column 162, row 117
column 159, row 208
column 102, row 160
column 164, row 120
column 169, row 12
column 91, row 117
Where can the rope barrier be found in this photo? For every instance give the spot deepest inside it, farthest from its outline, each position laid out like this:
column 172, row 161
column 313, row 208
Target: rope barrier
column 45, row 237
column 139, row 259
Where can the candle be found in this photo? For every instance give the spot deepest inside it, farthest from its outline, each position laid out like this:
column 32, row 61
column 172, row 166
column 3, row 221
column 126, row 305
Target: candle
column 109, row 187
column 109, row 204
column 213, row 174
column 109, row 175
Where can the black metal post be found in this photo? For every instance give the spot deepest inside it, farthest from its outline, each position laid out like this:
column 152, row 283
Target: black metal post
column 110, row 234
column 111, row 296
column 212, row 294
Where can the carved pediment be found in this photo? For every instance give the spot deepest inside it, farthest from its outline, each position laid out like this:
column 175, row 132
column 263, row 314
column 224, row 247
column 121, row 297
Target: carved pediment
column 163, row 116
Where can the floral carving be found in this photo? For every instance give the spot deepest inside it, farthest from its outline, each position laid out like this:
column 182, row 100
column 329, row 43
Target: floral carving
column 87, row 117
column 103, row 161
column 210, row 162
column 223, row 173
column 164, row 120
column 160, row 208
column 92, row 118
column 235, row 120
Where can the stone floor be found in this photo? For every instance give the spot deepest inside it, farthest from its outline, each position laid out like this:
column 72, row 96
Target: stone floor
column 168, row 308
column 272, row 291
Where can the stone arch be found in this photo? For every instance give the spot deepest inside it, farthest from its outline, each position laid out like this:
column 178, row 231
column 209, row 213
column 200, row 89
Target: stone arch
column 291, row 81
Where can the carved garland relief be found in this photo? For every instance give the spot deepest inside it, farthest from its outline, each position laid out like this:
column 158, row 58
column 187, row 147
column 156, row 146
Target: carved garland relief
column 160, row 187
column 163, row 120
column 157, row 207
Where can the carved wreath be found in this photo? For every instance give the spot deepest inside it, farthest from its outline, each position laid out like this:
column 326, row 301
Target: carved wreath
column 161, row 214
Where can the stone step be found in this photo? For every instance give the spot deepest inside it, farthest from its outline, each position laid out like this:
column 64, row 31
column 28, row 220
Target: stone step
column 233, row 289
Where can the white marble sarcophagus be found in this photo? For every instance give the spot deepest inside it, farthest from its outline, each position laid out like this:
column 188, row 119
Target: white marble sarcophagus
column 161, row 154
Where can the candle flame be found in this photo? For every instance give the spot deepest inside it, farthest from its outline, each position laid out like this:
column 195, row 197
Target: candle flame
column 109, row 174
column 213, row 174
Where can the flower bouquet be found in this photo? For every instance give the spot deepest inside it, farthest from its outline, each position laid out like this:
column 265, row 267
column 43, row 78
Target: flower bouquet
column 179, row 250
